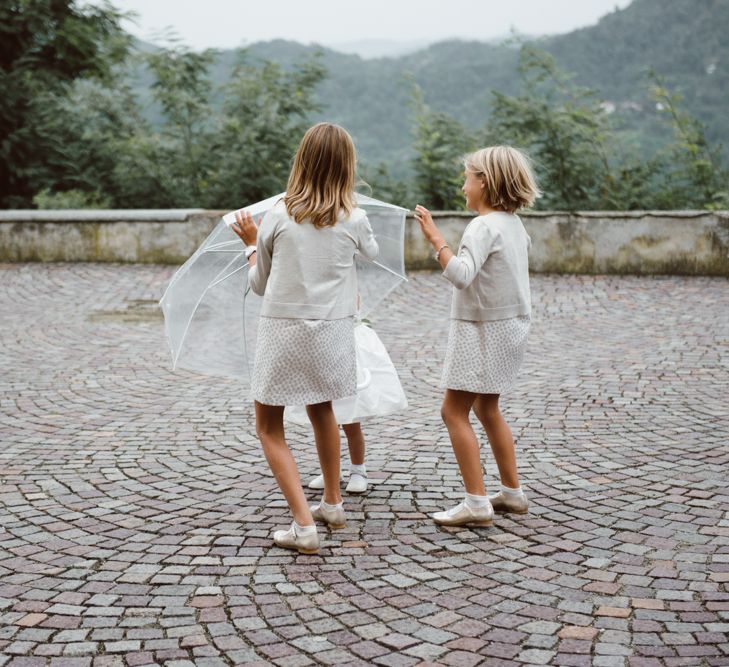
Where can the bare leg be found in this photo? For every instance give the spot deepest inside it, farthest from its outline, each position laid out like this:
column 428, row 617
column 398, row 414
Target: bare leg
column 356, row 443
column 326, row 435
column 269, row 426
column 486, row 407
column 455, row 410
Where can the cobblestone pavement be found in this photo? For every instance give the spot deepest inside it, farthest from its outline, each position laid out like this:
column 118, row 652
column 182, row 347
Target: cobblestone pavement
column 137, row 508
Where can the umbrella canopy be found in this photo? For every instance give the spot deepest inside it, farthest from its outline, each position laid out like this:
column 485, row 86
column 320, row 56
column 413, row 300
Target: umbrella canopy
column 211, row 316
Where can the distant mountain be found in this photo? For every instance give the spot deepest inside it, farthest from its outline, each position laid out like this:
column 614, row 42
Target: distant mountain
column 684, row 40
column 380, row 48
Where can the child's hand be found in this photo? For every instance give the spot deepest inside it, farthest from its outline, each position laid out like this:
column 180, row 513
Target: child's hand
column 427, row 226
column 245, row 227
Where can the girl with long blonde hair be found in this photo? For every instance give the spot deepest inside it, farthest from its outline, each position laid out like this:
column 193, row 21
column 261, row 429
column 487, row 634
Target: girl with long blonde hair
column 302, row 258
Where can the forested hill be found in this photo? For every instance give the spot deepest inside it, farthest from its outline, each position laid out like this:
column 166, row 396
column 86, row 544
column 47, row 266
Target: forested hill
column 684, row 40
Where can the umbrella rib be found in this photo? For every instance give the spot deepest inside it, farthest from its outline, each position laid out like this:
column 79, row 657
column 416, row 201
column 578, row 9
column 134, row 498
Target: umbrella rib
column 192, row 314
column 387, row 268
column 220, row 244
column 234, row 271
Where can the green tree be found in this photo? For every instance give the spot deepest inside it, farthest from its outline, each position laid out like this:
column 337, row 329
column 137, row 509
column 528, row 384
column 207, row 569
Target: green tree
column 99, row 149
column 563, row 127
column 693, row 173
column 378, row 182
column 440, row 144
column 266, row 111
column 183, row 89
column 104, row 153
column 45, row 45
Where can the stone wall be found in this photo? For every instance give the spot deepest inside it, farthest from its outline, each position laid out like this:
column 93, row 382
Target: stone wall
column 639, row 242
column 154, row 236
column 636, row 242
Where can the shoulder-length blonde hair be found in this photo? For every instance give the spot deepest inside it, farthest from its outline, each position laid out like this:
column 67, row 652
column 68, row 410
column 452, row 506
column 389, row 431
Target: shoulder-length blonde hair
column 322, row 179
column 507, row 175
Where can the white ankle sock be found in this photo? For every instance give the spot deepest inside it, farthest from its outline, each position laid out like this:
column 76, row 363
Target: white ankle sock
column 358, row 469
column 474, row 502
column 304, row 530
column 514, row 493
column 331, row 508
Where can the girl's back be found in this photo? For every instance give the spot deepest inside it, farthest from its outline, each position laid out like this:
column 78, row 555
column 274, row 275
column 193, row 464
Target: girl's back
column 309, row 271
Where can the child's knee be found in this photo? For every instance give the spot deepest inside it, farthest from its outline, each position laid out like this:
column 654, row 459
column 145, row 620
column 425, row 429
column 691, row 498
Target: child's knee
column 487, row 411
column 318, row 411
column 450, row 416
column 267, row 429
column 444, row 414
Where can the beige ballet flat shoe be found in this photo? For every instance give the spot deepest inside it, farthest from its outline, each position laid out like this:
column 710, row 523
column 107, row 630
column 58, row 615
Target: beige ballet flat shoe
column 462, row 515
column 506, row 504
column 289, row 539
column 335, row 519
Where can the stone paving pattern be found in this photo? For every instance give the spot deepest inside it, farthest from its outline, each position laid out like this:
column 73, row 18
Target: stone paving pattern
column 137, row 508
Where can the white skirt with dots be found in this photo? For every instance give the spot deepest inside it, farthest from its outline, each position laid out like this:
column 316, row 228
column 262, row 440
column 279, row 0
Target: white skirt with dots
column 485, row 357
column 301, row 362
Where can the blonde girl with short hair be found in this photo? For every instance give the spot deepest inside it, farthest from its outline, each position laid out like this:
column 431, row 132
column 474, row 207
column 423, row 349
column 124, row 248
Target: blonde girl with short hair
column 490, row 318
column 302, row 259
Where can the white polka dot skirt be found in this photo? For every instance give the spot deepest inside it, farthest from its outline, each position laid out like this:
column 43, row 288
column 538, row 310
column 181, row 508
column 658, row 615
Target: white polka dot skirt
column 485, row 357
column 301, row 362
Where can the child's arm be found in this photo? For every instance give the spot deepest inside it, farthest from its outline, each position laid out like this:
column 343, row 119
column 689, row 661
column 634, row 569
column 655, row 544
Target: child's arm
column 262, row 237
column 432, row 234
column 459, row 269
column 259, row 272
column 462, row 268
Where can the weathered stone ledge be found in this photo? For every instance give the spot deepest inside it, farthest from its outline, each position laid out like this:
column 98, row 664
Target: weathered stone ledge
column 621, row 242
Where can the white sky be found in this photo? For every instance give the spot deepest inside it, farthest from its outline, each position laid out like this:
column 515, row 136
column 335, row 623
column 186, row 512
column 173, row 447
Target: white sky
column 231, row 23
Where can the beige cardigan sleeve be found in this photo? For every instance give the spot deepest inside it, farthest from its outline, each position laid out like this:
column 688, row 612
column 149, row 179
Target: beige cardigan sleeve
column 258, row 275
column 478, row 241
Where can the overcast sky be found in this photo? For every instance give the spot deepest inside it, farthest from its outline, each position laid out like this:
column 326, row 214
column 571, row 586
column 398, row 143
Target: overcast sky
column 227, row 23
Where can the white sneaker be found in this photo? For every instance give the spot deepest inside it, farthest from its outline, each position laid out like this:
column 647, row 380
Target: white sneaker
column 462, row 515
column 357, row 483
column 318, row 481
column 290, row 539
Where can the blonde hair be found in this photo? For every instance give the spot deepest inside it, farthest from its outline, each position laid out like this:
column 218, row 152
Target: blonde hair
column 508, row 177
column 322, row 179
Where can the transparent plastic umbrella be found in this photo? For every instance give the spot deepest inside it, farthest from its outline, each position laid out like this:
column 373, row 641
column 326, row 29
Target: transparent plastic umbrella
column 211, row 316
